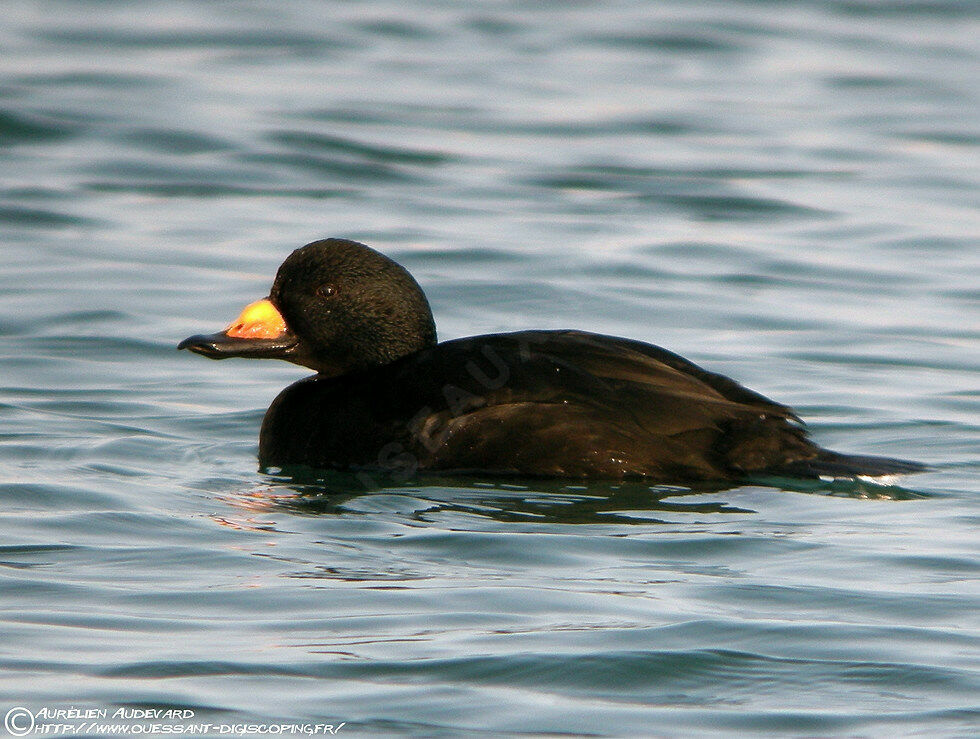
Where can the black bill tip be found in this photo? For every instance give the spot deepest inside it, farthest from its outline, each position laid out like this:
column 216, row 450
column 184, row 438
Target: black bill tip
column 222, row 346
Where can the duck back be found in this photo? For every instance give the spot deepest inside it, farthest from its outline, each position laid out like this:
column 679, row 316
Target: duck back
column 548, row 403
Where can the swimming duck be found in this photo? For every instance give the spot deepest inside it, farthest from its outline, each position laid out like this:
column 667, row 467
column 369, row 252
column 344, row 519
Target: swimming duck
column 387, row 396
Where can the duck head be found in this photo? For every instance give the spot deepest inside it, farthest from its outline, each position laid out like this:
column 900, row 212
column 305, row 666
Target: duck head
column 336, row 306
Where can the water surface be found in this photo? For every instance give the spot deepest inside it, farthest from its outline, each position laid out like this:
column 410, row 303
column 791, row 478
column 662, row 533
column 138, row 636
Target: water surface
column 785, row 193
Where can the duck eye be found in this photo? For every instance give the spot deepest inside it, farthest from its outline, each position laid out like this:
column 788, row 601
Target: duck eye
column 326, row 291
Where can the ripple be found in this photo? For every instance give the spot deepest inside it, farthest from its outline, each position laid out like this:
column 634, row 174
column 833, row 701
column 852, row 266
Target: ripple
column 339, row 169
column 270, row 38
column 21, row 127
column 328, row 143
column 32, row 217
column 398, row 29
column 93, row 78
column 671, row 42
column 738, row 207
column 903, row 8
column 951, row 138
column 176, row 142
column 33, row 496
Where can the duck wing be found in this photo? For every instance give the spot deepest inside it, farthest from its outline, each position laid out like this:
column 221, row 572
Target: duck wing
column 550, row 403
column 576, row 404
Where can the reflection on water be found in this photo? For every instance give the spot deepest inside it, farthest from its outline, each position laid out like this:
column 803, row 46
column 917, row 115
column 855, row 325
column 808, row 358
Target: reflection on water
column 308, row 491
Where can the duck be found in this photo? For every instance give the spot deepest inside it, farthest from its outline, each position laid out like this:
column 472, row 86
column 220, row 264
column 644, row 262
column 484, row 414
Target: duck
column 388, row 396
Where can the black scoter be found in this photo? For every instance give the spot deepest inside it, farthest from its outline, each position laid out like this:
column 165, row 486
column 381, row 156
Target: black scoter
column 567, row 404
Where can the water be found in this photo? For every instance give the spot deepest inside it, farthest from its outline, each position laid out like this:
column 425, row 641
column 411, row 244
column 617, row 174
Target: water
column 785, row 193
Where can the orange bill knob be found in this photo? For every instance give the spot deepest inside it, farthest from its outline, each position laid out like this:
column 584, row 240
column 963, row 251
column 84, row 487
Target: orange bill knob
column 259, row 320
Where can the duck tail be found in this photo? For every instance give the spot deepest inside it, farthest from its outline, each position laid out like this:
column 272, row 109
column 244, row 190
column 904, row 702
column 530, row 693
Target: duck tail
column 834, row 464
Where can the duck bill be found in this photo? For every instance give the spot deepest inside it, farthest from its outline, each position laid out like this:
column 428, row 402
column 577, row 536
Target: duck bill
column 260, row 332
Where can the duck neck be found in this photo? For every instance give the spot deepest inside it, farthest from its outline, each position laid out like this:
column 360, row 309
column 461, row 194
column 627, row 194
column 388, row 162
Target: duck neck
column 368, row 349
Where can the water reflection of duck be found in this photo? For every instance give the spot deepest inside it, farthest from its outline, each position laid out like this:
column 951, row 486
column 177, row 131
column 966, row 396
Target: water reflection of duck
column 568, row 404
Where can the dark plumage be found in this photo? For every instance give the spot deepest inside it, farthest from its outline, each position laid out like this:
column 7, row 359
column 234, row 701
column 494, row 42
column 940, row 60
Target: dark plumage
column 532, row 403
